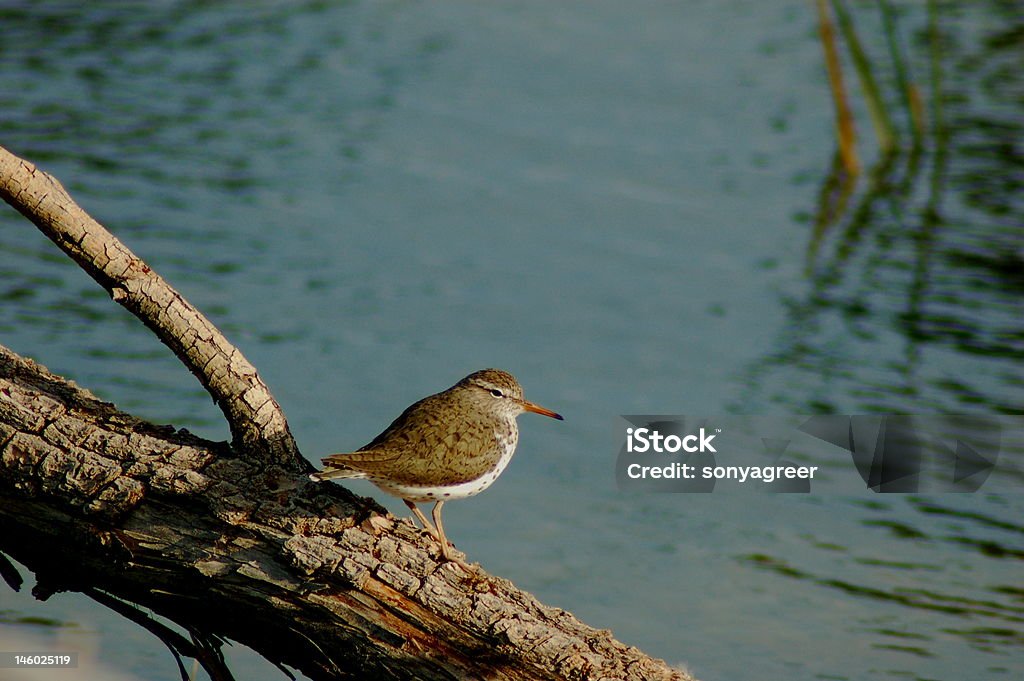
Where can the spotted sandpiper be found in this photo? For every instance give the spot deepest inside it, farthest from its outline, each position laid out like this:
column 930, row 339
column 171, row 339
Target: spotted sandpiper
column 451, row 445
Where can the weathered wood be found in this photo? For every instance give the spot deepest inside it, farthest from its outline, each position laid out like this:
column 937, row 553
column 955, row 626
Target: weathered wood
column 231, row 542
column 309, row 575
column 256, row 420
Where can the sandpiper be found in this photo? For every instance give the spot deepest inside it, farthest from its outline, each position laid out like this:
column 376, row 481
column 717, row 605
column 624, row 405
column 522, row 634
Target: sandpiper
column 451, row 445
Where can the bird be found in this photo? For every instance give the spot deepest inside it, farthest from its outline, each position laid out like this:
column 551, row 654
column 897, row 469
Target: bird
column 450, row 445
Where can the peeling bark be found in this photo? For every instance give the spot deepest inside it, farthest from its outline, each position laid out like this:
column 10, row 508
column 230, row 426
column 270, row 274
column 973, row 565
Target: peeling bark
column 256, row 420
column 231, row 540
column 309, row 575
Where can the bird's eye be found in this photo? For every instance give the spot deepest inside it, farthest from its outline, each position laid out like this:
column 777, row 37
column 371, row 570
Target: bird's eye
column 496, row 392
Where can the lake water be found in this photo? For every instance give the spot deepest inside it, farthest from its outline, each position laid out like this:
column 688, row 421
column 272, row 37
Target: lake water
column 619, row 203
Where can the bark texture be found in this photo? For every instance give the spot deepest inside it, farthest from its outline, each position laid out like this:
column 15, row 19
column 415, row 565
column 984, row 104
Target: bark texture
column 232, row 541
column 308, row 574
column 255, row 418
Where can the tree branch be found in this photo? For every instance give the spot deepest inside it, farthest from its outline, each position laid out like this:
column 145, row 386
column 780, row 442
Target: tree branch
column 256, row 420
column 232, row 545
column 309, row 575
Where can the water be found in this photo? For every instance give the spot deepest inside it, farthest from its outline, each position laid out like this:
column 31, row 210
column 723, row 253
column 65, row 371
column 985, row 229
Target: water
column 616, row 203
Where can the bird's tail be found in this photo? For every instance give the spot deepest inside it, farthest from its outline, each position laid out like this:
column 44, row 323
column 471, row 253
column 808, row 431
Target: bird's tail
column 331, row 472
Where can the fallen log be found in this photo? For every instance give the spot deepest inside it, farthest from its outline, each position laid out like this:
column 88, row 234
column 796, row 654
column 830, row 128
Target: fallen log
column 231, row 540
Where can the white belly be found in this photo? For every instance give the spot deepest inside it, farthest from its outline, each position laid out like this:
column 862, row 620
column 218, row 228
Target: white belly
column 421, row 493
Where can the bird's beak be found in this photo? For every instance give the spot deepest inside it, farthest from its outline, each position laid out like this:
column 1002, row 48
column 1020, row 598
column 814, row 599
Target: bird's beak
column 537, row 409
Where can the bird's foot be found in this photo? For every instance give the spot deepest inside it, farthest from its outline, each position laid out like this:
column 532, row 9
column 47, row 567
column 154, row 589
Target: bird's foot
column 450, row 555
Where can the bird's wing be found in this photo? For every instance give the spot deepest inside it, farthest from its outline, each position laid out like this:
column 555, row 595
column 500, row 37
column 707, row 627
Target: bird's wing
column 363, row 460
column 407, row 435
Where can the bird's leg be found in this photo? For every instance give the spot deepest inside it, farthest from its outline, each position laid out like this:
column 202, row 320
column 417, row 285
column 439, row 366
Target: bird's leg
column 422, row 518
column 445, row 546
column 440, row 530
